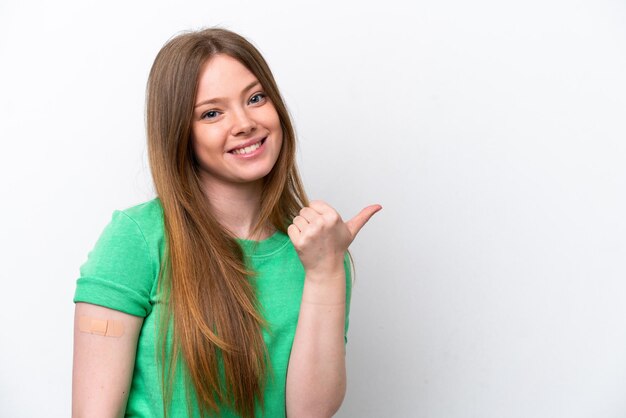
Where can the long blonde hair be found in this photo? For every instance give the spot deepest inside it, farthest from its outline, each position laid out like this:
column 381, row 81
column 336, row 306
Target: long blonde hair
column 208, row 293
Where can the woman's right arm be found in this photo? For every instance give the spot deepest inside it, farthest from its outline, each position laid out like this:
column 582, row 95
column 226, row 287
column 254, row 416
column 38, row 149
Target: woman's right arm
column 103, row 364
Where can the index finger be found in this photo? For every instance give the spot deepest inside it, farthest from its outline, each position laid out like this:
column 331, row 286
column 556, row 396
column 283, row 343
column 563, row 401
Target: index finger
column 321, row 207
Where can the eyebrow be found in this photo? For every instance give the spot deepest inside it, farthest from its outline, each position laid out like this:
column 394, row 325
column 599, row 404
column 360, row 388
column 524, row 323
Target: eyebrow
column 217, row 99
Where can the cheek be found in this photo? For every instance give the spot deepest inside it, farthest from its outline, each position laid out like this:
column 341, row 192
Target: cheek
column 198, row 154
column 206, row 146
column 208, row 138
column 277, row 127
column 279, row 144
column 280, row 136
column 197, row 148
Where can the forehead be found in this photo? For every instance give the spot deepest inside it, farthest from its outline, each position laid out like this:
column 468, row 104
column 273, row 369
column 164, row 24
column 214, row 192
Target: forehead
column 221, row 76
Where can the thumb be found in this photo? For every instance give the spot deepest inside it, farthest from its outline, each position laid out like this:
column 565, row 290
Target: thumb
column 355, row 224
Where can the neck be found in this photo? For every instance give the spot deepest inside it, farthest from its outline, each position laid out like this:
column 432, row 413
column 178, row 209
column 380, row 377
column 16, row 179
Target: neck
column 237, row 207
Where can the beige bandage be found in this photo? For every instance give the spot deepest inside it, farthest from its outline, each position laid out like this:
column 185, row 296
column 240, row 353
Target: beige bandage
column 104, row 327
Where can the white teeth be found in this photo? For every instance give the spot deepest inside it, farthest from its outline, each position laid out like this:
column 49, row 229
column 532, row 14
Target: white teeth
column 248, row 149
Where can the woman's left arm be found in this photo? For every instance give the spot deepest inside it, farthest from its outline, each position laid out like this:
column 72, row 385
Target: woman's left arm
column 316, row 376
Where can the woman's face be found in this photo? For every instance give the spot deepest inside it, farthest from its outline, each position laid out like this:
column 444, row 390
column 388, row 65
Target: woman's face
column 236, row 133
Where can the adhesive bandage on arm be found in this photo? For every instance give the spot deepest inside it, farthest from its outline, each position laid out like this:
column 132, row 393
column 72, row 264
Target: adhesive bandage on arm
column 103, row 327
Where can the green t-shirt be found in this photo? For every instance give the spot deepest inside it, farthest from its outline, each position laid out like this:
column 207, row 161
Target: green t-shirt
column 121, row 273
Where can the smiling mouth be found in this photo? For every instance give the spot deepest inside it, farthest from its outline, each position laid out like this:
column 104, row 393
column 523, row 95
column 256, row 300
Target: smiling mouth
column 249, row 148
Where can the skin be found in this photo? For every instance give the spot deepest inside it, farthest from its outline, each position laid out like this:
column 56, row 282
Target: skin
column 103, row 366
column 316, row 377
column 231, row 110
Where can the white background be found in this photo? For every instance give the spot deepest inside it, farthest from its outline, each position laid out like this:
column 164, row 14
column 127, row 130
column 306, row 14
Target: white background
column 491, row 285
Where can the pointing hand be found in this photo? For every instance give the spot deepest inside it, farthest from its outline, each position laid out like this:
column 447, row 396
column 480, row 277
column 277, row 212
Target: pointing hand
column 321, row 237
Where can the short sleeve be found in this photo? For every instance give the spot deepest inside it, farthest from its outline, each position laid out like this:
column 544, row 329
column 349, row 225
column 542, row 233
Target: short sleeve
column 347, row 263
column 119, row 272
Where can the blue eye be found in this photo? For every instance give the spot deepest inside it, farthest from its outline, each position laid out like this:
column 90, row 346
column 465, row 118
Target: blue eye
column 258, row 98
column 209, row 115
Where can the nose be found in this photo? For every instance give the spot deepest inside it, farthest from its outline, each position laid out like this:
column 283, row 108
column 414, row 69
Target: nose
column 243, row 124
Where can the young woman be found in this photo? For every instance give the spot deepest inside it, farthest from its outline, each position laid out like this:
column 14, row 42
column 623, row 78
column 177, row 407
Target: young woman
column 228, row 294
